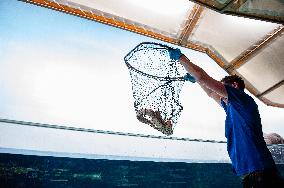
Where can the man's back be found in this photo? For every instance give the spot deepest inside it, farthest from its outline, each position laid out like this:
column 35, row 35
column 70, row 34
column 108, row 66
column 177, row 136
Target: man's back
column 245, row 143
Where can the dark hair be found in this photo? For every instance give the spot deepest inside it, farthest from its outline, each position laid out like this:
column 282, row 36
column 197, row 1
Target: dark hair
column 234, row 78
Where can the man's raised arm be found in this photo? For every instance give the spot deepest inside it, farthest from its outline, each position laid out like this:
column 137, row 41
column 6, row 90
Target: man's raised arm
column 212, row 94
column 212, row 87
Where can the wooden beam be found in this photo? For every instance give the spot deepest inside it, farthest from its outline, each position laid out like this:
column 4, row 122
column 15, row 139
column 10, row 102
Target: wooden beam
column 254, row 49
column 267, row 101
column 215, row 57
column 270, row 103
column 190, row 24
column 275, row 86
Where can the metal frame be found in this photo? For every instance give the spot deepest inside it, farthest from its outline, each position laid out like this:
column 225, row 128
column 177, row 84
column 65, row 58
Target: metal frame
column 231, row 8
column 32, row 124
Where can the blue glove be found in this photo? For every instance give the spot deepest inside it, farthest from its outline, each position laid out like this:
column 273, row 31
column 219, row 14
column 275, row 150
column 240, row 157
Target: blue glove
column 175, row 54
column 189, row 77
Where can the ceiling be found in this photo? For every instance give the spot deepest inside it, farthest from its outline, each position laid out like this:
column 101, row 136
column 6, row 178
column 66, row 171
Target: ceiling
column 244, row 37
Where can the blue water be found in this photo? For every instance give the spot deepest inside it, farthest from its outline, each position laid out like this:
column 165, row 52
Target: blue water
column 30, row 171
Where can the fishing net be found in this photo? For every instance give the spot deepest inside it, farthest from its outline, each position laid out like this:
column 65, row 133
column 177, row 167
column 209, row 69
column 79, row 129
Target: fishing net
column 157, row 79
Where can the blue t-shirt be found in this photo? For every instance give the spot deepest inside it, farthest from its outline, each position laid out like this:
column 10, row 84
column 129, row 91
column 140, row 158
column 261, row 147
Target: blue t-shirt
column 243, row 130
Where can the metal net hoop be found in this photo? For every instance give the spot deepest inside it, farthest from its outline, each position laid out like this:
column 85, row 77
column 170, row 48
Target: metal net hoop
column 156, row 84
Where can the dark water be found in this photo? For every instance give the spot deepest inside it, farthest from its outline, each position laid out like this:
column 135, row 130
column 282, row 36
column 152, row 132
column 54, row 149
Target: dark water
column 41, row 171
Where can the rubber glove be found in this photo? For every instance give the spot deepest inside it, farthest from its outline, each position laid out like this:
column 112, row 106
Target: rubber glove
column 175, row 54
column 189, row 77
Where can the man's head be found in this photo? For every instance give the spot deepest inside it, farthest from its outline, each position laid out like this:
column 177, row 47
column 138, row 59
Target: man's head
column 234, row 81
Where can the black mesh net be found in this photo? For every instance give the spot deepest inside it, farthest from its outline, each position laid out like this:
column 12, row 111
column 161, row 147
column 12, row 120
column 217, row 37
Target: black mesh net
column 156, row 83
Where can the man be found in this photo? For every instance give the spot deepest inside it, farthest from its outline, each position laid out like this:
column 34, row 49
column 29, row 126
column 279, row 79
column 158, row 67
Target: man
column 246, row 147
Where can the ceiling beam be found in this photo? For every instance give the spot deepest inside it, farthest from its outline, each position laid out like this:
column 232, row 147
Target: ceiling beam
column 254, row 49
column 270, row 103
column 190, row 24
column 267, row 101
column 275, row 86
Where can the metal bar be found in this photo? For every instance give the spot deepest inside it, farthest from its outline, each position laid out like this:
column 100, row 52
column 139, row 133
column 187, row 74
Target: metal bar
column 24, row 123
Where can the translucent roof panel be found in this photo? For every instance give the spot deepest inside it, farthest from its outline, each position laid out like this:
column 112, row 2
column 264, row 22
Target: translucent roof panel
column 267, row 67
column 276, row 95
column 164, row 15
column 229, row 35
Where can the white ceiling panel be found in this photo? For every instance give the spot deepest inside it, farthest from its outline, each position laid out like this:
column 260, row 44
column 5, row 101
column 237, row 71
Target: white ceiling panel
column 276, row 95
column 230, row 35
column 164, row 15
column 267, row 67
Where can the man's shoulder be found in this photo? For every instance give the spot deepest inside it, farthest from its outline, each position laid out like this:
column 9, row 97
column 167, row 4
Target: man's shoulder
column 240, row 96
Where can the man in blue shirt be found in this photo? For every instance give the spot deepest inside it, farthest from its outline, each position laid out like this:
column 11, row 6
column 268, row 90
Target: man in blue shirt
column 246, row 147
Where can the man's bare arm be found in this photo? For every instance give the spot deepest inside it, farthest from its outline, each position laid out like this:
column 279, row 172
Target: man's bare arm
column 204, row 80
column 212, row 94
